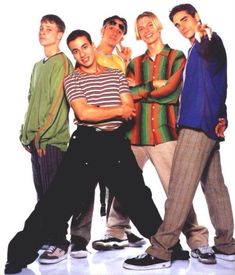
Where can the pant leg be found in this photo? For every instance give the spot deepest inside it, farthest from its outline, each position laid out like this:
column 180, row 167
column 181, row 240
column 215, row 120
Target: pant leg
column 219, row 204
column 44, row 168
column 161, row 156
column 118, row 220
column 191, row 155
column 125, row 180
column 68, row 193
column 81, row 222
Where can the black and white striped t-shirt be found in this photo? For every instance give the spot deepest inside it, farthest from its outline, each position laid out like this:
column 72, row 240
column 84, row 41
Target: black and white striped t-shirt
column 98, row 89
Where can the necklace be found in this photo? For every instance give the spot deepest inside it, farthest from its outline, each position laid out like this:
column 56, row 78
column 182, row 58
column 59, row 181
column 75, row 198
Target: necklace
column 104, row 54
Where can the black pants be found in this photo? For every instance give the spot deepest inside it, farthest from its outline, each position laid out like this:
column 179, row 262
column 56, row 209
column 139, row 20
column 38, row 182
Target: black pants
column 92, row 156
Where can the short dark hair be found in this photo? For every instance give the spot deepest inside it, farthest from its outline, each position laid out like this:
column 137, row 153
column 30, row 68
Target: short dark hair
column 52, row 18
column 107, row 20
column 183, row 7
column 78, row 33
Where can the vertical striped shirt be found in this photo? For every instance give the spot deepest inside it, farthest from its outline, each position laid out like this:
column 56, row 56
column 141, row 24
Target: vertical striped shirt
column 101, row 90
column 156, row 115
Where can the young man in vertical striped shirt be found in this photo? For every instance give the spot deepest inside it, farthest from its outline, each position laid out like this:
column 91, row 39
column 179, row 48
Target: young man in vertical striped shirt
column 155, row 79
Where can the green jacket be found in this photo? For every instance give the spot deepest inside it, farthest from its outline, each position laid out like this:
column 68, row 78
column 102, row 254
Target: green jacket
column 46, row 120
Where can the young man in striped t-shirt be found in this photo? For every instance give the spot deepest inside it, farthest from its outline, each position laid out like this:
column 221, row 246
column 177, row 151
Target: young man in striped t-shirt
column 98, row 150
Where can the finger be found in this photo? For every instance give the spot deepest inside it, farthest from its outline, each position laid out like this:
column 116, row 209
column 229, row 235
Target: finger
column 120, row 44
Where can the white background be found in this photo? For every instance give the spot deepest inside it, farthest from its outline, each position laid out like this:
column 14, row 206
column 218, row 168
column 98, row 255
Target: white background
column 19, row 49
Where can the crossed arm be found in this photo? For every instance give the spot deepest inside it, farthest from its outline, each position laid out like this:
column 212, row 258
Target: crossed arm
column 93, row 113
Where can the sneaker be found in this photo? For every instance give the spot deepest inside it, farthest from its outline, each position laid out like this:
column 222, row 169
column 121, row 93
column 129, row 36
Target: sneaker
column 78, row 252
column 45, row 247
column 204, row 254
column 13, row 269
column 54, row 254
column 223, row 256
column 135, row 241
column 109, row 242
column 145, row 262
column 179, row 254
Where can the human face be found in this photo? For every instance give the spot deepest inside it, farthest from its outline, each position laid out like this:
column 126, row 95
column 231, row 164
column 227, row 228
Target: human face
column 148, row 31
column 83, row 52
column 49, row 34
column 113, row 32
column 186, row 24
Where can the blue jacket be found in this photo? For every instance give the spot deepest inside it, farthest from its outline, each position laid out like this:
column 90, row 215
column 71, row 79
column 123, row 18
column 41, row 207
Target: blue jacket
column 205, row 87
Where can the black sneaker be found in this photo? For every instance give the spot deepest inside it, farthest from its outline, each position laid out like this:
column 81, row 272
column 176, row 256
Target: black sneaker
column 179, row 254
column 145, row 262
column 223, row 256
column 135, row 241
column 109, row 243
column 55, row 254
column 78, row 251
column 204, row 254
column 13, row 269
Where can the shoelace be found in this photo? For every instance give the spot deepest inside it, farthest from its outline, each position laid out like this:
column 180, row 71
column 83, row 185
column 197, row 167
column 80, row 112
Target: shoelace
column 51, row 249
column 141, row 256
column 206, row 249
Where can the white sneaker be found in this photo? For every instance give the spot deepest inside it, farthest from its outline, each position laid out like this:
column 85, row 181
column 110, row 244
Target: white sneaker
column 78, row 252
column 223, row 256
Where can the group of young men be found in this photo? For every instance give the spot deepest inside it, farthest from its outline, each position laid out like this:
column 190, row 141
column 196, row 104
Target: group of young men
column 127, row 112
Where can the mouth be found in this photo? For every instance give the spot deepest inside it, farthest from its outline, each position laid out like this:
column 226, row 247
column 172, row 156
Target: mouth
column 85, row 60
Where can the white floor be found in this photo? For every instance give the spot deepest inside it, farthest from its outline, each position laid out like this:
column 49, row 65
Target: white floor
column 101, row 263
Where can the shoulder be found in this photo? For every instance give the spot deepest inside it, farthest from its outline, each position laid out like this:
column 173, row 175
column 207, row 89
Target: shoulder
column 113, row 71
column 174, row 52
column 71, row 77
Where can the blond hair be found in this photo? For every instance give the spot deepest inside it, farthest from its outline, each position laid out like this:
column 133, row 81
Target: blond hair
column 156, row 22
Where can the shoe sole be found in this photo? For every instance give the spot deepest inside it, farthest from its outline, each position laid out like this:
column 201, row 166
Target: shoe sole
column 109, row 246
column 54, row 261
column 201, row 260
column 148, row 267
column 224, row 257
column 79, row 255
column 137, row 244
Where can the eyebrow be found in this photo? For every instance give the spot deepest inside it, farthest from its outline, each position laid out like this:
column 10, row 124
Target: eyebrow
column 176, row 24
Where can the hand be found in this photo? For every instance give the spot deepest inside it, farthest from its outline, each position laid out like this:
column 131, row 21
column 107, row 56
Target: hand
column 124, row 53
column 27, row 148
column 128, row 112
column 202, row 30
column 41, row 152
column 159, row 83
column 220, row 127
column 131, row 82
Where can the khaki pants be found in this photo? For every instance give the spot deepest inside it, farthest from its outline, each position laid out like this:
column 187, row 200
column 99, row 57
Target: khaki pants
column 161, row 157
column 196, row 159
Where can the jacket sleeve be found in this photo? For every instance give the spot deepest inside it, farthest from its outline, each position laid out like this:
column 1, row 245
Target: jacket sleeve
column 57, row 101
column 169, row 93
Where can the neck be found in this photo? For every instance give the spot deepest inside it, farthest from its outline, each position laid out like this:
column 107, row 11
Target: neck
column 155, row 48
column 105, row 49
column 50, row 51
column 95, row 68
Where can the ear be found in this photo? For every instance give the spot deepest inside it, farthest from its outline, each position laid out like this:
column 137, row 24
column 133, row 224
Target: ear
column 197, row 17
column 102, row 31
column 60, row 34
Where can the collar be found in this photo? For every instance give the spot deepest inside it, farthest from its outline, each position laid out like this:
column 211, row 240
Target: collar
column 165, row 52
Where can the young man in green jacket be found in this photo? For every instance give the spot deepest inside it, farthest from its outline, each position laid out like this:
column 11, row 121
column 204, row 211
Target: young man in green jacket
column 45, row 132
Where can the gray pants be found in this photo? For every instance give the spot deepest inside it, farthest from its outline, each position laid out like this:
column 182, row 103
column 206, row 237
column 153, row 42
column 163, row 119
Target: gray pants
column 196, row 159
